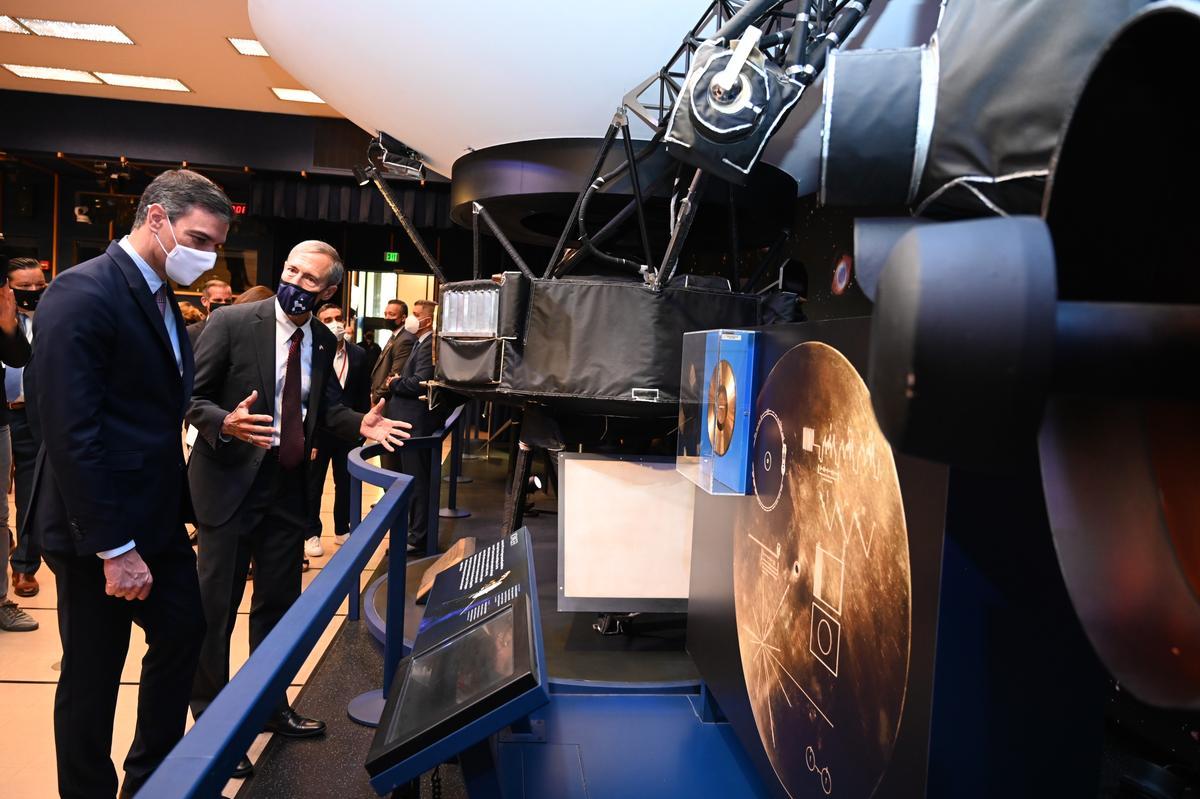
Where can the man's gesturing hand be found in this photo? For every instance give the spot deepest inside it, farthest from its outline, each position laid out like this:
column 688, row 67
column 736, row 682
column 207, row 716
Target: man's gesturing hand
column 385, row 431
column 252, row 427
column 127, row 576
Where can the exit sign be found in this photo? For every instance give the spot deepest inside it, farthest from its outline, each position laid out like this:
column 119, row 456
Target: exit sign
column 391, row 257
column 239, row 208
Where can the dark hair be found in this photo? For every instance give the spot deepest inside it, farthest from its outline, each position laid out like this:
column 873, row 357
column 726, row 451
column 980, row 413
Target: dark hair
column 253, row 294
column 180, row 190
column 327, row 305
column 403, row 305
column 17, row 264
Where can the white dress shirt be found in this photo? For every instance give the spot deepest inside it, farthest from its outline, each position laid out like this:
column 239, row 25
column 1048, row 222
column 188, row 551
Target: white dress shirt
column 341, row 363
column 14, row 376
column 284, row 328
column 153, row 282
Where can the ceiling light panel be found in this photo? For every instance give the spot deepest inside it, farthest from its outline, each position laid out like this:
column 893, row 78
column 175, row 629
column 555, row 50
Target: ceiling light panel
column 84, row 31
column 248, row 46
column 296, row 95
column 9, row 25
column 142, row 82
column 51, row 73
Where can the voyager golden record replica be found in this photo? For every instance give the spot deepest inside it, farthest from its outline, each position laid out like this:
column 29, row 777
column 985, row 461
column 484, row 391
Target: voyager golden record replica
column 822, row 584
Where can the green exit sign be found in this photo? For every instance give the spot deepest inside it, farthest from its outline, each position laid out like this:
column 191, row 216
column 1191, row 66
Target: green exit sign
column 391, row 257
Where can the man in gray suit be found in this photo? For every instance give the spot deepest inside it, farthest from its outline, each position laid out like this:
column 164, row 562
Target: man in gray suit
column 264, row 388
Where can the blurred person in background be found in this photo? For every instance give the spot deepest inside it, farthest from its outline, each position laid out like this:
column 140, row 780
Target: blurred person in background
column 215, row 294
column 354, row 380
column 405, row 402
column 28, row 283
column 14, row 352
column 192, row 315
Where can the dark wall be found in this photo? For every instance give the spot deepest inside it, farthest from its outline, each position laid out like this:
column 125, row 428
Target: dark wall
column 93, row 126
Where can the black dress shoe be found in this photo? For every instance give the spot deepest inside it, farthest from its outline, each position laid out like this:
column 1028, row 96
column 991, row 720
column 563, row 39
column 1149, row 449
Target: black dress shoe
column 291, row 724
column 244, row 769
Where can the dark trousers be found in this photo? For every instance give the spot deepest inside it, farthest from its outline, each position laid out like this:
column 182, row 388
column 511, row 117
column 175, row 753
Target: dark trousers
column 416, row 462
column 269, row 527
column 94, row 629
column 335, row 451
column 27, row 557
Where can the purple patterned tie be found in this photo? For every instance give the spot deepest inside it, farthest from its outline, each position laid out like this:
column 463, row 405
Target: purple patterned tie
column 291, row 422
column 160, row 297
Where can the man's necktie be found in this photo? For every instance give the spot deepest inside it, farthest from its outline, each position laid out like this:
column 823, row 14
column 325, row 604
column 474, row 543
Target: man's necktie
column 291, row 424
column 160, row 298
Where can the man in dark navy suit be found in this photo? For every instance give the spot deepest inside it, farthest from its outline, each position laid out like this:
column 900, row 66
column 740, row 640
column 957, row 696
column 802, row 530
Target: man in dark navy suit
column 406, row 403
column 114, row 375
column 353, row 375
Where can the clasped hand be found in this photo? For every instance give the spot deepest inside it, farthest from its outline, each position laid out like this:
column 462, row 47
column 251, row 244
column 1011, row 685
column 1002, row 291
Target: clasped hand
column 127, row 576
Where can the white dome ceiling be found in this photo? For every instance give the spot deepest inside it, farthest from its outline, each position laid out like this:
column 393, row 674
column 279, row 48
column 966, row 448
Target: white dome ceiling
column 451, row 76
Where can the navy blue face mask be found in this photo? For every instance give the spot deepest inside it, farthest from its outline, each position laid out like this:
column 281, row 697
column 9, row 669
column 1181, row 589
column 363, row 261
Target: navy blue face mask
column 294, row 300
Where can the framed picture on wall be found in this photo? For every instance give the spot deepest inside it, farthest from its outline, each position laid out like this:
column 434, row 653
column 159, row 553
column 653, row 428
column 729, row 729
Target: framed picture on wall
column 86, row 249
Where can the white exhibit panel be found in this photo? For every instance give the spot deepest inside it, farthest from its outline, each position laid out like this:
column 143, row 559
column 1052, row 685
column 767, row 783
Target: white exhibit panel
column 624, row 534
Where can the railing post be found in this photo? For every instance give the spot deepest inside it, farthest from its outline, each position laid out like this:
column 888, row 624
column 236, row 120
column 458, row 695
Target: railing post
column 435, row 498
column 354, row 594
column 458, row 449
column 393, row 648
column 452, row 511
column 367, row 708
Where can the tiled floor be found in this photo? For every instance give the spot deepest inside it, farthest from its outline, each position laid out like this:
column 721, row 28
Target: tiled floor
column 29, row 671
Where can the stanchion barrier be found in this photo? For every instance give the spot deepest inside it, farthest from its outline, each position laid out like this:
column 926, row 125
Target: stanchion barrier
column 434, row 442
column 200, row 764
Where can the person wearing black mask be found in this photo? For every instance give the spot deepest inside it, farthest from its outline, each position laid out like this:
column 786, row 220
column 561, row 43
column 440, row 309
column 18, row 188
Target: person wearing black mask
column 391, row 362
column 14, row 352
column 265, row 386
column 395, row 352
column 28, row 283
column 216, row 294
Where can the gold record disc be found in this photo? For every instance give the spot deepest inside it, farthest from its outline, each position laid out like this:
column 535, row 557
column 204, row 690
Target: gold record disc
column 722, row 399
column 822, row 581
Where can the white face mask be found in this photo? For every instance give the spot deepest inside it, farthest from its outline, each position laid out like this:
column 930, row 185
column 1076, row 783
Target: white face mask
column 336, row 328
column 185, row 264
column 412, row 324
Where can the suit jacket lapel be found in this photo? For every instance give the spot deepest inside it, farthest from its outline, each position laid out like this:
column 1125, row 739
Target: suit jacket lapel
column 145, row 301
column 322, row 362
column 263, row 333
column 186, row 357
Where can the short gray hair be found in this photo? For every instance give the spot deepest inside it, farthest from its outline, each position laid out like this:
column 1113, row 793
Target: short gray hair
column 314, row 246
column 181, row 190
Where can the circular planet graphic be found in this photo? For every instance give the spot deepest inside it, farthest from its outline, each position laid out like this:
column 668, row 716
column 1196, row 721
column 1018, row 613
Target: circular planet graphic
column 822, row 581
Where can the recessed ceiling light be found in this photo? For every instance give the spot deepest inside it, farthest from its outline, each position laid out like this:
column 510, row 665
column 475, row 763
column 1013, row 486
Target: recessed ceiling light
column 296, row 95
column 142, row 82
column 51, row 73
column 248, row 46
column 84, row 31
column 9, row 25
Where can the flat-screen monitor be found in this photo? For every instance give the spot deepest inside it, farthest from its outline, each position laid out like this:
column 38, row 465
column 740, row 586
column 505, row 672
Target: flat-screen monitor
column 624, row 534
column 452, row 688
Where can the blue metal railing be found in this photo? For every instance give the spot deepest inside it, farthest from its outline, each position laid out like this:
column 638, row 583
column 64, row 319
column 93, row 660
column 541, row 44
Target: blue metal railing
column 201, row 763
